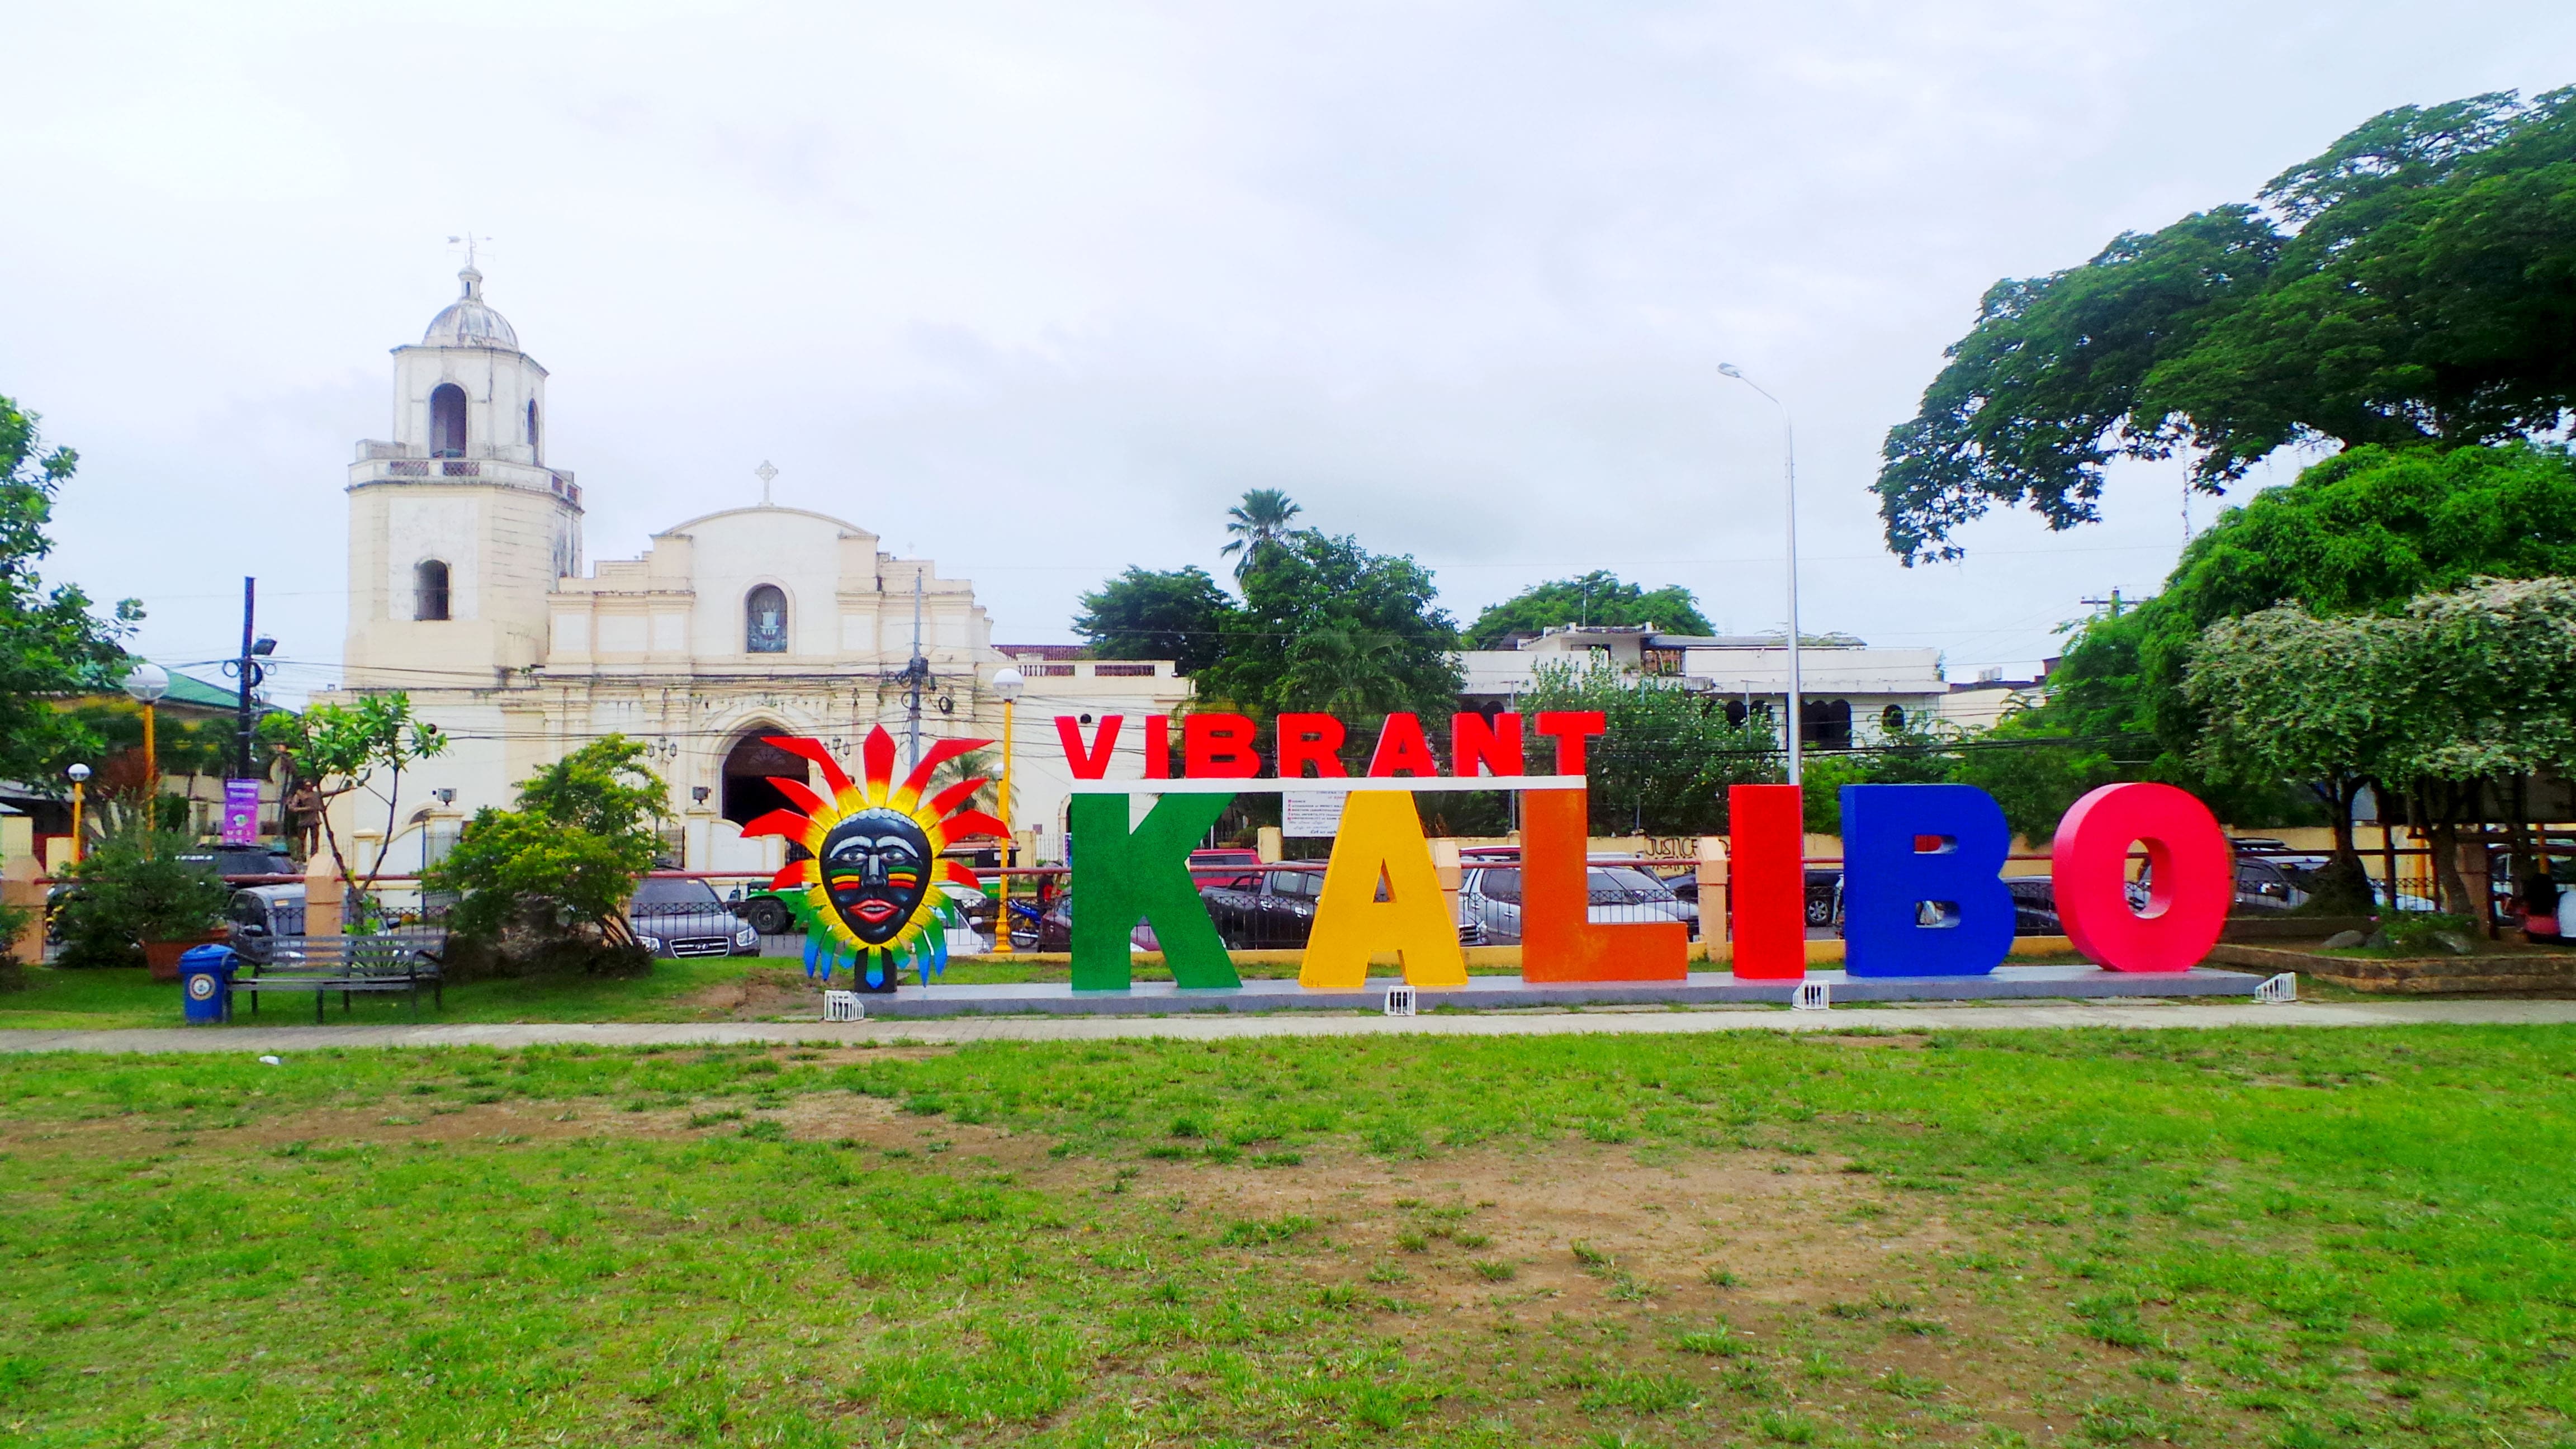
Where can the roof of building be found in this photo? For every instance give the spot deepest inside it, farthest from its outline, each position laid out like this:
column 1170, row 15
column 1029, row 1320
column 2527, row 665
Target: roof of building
column 1050, row 652
column 469, row 321
column 1779, row 640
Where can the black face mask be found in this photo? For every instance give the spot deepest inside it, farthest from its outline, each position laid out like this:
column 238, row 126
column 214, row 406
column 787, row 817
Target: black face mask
column 876, row 865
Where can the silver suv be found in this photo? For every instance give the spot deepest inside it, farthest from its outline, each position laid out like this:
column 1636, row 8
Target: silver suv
column 1489, row 897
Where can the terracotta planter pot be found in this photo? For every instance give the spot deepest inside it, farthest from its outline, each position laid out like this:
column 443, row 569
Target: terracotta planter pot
column 163, row 956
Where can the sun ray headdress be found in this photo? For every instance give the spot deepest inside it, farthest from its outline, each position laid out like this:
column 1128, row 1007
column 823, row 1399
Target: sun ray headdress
column 861, row 838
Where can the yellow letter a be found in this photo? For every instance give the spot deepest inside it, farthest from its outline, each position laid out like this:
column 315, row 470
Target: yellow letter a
column 1381, row 840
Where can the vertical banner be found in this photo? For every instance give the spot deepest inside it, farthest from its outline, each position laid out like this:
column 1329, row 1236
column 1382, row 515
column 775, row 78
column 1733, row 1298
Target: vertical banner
column 241, row 812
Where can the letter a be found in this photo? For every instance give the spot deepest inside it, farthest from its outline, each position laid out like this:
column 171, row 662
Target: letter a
column 1122, row 877
column 1382, row 840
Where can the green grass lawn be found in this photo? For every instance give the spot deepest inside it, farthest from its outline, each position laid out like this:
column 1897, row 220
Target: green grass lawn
column 57, row 1000
column 2288, row 1237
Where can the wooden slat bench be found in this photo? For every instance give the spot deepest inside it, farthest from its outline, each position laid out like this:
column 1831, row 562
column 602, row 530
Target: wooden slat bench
column 346, row 964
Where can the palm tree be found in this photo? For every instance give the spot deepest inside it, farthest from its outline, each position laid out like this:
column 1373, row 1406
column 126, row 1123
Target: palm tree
column 1256, row 523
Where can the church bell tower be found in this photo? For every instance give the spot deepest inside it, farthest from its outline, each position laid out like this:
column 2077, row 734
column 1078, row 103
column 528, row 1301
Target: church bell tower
column 458, row 529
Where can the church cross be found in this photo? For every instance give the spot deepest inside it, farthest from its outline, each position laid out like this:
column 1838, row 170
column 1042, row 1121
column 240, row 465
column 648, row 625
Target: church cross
column 764, row 473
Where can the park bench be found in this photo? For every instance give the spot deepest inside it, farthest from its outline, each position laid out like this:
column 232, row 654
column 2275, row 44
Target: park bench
column 346, row 964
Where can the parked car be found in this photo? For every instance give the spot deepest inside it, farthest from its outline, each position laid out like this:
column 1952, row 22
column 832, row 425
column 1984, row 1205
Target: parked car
column 233, row 860
column 1824, row 895
column 1489, row 899
column 1277, row 911
column 764, row 912
column 2034, row 905
column 1203, row 877
column 259, row 915
column 675, row 917
column 2270, row 884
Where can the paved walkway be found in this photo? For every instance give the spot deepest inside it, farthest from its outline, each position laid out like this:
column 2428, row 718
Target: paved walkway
column 2131, row 1015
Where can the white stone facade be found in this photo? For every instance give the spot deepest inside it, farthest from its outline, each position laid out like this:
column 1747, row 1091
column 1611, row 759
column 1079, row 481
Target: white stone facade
column 467, row 592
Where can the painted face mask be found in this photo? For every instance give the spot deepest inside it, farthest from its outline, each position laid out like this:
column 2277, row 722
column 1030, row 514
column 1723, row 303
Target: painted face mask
column 876, row 867
column 864, row 895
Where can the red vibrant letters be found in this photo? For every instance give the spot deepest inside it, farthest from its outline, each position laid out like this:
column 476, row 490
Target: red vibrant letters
column 1218, row 746
column 2192, row 877
column 1476, row 744
column 1402, row 746
column 1091, row 764
column 1570, row 728
column 1310, row 739
column 1158, row 747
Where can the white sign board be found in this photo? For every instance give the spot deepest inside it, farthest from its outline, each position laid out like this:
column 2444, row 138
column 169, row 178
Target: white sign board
column 1310, row 814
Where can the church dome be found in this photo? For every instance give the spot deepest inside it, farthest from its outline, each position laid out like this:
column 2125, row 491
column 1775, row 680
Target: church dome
column 468, row 322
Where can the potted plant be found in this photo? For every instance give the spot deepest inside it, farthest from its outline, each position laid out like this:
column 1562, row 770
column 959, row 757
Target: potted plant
column 135, row 901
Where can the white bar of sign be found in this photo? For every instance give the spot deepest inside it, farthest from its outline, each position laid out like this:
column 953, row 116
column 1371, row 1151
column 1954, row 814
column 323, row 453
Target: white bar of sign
column 1265, row 785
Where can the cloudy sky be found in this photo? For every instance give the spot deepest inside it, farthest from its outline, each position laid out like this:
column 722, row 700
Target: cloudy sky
column 1038, row 289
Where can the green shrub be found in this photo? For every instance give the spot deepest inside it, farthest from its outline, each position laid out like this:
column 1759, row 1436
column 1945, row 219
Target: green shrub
column 132, row 888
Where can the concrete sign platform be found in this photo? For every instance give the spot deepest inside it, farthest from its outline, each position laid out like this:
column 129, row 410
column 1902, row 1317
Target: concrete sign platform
column 1702, row 988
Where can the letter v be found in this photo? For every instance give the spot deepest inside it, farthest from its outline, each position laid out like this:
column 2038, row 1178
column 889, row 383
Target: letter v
column 1092, row 764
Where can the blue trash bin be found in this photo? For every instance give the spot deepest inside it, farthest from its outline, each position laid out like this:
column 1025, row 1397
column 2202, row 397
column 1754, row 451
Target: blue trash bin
column 206, row 984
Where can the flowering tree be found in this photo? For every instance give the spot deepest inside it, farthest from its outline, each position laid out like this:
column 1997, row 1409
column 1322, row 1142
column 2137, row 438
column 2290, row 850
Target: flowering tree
column 2466, row 686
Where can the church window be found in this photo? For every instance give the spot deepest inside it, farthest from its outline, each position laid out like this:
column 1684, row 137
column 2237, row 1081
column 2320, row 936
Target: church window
column 447, row 421
column 532, row 425
column 1892, row 719
column 765, row 621
column 429, row 589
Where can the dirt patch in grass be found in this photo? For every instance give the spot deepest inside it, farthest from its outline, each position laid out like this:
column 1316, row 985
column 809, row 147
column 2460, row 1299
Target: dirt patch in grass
column 764, row 993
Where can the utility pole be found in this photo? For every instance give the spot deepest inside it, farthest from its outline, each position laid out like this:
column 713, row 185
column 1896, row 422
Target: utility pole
column 915, row 670
column 2112, row 603
column 250, row 673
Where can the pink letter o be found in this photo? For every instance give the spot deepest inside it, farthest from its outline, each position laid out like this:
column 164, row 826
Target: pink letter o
column 2191, row 885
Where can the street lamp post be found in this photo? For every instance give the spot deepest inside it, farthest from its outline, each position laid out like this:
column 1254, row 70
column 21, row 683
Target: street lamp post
column 80, row 788
column 1789, row 498
column 1007, row 684
column 147, row 682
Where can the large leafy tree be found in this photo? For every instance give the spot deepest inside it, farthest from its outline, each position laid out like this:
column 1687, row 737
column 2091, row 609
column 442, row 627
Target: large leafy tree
column 2363, row 532
column 1142, row 614
column 1324, row 620
column 51, row 645
column 2415, row 284
column 1598, row 597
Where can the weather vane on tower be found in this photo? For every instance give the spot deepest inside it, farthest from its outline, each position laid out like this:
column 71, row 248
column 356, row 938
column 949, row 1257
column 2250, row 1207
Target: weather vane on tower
column 470, row 242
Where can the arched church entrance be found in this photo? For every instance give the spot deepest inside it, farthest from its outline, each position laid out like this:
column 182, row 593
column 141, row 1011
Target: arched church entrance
column 748, row 768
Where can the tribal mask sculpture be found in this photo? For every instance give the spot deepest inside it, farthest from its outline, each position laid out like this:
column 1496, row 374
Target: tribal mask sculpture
column 869, row 891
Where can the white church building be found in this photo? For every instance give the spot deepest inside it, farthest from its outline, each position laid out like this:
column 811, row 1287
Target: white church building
column 468, row 592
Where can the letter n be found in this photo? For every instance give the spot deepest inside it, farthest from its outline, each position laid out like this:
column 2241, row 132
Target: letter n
column 1121, row 877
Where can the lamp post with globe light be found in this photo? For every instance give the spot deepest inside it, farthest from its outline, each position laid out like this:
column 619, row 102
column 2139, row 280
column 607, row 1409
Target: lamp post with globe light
column 1789, row 491
column 80, row 788
column 1007, row 685
column 146, row 683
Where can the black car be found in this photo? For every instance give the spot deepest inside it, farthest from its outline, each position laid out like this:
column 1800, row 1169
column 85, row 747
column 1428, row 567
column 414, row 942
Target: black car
column 1277, row 912
column 2034, row 905
column 1824, row 898
column 229, row 861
